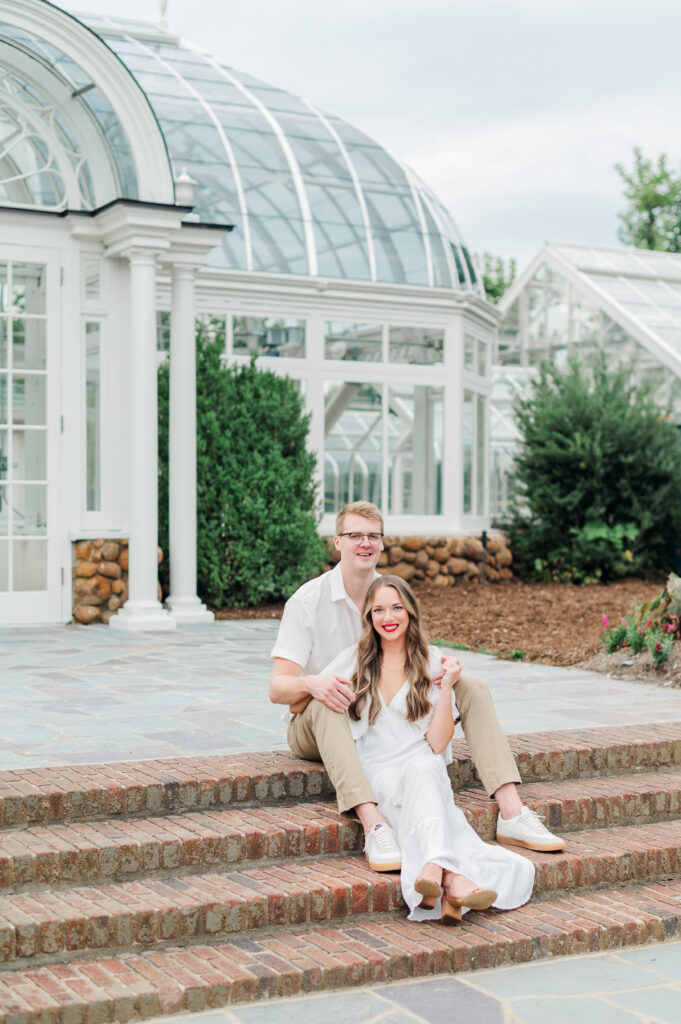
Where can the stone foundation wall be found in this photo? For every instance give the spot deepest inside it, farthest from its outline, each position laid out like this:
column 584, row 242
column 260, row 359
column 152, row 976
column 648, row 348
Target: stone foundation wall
column 443, row 560
column 100, row 579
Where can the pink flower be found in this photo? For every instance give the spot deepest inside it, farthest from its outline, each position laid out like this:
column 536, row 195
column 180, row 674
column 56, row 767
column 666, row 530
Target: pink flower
column 606, row 621
column 649, row 623
column 623, row 621
column 670, row 628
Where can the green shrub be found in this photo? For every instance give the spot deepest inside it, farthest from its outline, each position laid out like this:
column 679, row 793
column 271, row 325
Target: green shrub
column 636, row 634
column 660, row 646
column 599, row 476
column 256, row 520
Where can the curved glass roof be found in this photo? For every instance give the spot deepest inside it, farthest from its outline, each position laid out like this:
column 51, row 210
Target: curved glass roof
column 42, row 147
column 307, row 192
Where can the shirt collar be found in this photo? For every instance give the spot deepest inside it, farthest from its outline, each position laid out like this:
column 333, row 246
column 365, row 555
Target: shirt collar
column 337, row 586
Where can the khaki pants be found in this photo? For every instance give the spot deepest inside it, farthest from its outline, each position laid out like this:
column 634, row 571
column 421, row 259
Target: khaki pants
column 320, row 734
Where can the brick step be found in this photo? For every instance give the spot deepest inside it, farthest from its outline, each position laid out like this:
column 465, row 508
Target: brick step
column 84, row 852
column 585, row 803
column 200, row 907
column 125, row 848
column 288, row 962
column 180, row 909
column 172, row 786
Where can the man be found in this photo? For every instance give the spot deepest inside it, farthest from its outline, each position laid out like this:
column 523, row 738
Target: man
column 321, row 619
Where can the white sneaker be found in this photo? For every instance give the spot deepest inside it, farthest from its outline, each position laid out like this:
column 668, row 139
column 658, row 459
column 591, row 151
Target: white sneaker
column 381, row 849
column 527, row 830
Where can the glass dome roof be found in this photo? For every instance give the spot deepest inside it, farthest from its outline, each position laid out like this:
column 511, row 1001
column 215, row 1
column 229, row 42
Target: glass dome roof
column 306, row 192
column 42, row 162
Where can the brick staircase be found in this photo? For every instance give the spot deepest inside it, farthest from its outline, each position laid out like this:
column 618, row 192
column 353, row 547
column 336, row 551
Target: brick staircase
column 135, row 889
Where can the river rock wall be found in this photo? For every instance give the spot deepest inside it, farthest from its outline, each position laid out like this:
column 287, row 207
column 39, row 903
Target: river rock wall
column 443, row 561
column 100, row 579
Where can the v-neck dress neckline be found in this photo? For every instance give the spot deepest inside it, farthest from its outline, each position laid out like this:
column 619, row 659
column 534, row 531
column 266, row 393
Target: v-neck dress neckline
column 388, row 704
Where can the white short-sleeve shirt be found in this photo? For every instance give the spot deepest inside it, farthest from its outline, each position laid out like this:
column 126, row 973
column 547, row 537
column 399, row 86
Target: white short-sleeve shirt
column 319, row 621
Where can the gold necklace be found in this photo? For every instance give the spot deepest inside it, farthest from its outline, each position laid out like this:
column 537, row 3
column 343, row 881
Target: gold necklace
column 398, row 668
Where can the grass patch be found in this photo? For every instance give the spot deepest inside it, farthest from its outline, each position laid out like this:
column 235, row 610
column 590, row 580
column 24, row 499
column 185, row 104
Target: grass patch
column 450, row 643
column 517, row 655
column 486, row 650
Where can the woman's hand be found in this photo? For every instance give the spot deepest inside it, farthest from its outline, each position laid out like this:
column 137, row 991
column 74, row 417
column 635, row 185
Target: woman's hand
column 451, row 672
column 441, row 728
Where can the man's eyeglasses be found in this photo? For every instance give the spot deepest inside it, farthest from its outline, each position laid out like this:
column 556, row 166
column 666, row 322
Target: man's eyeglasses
column 373, row 538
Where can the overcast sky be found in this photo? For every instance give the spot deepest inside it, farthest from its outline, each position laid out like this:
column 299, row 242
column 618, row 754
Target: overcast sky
column 514, row 111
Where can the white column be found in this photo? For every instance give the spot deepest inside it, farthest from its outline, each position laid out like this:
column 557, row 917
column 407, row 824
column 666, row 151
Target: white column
column 183, row 602
column 143, row 610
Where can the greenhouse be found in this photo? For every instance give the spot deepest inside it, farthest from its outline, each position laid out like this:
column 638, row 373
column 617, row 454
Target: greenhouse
column 145, row 184
column 573, row 300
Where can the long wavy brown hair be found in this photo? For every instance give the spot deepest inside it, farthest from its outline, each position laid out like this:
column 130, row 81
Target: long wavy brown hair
column 369, row 657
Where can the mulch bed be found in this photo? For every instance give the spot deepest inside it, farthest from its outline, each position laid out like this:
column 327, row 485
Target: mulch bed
column 554, row 623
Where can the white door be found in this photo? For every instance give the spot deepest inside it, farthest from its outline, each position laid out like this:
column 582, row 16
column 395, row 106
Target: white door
column 30, row 569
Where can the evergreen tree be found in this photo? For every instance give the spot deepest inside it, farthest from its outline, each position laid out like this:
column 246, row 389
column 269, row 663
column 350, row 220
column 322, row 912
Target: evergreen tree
column 599, row 475
column 256, row 521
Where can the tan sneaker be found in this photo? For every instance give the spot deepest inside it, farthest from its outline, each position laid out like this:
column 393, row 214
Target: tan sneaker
column 527, row 830
column 381, row 849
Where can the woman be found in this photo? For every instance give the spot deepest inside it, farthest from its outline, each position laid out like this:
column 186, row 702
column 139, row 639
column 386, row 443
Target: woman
column 402, row 724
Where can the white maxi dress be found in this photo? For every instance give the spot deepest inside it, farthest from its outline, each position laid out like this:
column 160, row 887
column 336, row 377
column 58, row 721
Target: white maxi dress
column 415, row 796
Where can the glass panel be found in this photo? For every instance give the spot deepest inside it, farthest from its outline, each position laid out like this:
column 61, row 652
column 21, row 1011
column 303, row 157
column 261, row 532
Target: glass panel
column 28, row 288
column 29, row 400
column 163, row 330
column 30, row 565
column 29, row 348
column 480, row 436
column 415, row 436
column 4, row 559
column 4, row 455
column 92, row 417
column 482, row 358
column 353, row 446
column 269, row 336
column 4, row 406
column 4, row 293
column 509, row 336
column 29, row 455
column 4, row 507
column 29, row 509
column 212, row 327
column 418, row 345
column 4, row 332
column 353, row 342
column 91, row 279
column 468, row 432
column 469, row 353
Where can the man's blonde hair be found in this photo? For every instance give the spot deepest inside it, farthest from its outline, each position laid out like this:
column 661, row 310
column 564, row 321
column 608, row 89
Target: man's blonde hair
column 358, row 508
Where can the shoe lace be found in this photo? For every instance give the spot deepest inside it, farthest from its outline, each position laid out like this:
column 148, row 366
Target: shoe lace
column 535, row 821
column 383, row 837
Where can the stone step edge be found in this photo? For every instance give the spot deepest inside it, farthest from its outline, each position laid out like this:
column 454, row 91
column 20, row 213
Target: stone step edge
column 330, row 889
column 168, row 786
column 190, row 979
column 66, row 855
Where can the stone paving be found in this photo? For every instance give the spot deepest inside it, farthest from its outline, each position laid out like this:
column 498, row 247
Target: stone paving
column 84, row 694
column 626, row 987
column 76, row 695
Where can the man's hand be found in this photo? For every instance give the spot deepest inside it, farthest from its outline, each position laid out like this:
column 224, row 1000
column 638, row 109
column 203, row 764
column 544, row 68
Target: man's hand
column 334, row 691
